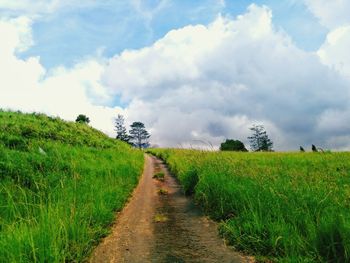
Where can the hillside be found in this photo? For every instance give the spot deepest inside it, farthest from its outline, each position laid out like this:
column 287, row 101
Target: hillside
column 60, row 185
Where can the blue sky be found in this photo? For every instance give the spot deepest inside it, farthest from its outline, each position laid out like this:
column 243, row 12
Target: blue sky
column 69, row 34
column 192, row 71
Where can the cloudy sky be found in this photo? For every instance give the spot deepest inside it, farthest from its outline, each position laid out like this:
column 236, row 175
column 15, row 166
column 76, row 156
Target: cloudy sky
column 194, row 72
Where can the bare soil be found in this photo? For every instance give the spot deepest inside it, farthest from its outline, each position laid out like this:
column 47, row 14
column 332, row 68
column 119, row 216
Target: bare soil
column 163, row 226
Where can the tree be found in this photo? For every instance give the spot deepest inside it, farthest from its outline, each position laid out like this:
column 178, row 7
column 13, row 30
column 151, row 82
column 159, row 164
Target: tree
column 121, row 130
column 313, row 148
column 233, row 145
column 82, row 119
column 302, row 149
column 259, row 141
column 138, row 135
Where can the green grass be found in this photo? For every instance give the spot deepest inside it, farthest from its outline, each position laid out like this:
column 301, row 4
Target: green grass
column 284, row 207
column 60, row 185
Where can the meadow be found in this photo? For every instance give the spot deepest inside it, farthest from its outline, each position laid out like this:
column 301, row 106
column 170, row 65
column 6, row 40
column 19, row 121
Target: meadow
column 279, row 207
column 60, row 186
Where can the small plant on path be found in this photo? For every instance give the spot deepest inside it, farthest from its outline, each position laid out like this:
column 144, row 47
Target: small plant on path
column 159, row 176
column 159, row 218
column 162, row 191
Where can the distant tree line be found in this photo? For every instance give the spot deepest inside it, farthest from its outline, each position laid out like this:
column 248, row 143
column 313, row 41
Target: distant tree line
column 259, row 141
column 138, row 137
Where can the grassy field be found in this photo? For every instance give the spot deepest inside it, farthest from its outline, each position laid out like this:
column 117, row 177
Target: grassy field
column 285, row 207
column 60, row 185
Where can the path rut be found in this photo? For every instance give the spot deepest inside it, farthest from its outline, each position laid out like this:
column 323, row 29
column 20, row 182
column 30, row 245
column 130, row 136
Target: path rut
column 185, row 235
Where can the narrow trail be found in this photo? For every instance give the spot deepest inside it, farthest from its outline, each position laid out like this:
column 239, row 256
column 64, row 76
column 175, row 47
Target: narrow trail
column 168, row 227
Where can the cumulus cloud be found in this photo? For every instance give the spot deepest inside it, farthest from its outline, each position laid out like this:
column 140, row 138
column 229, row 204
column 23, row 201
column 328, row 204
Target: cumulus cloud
column 197, row 85
column 205, row 83
column 335, row 51
column 332, row 14
column 26, row 85
column 335, row 16
column 333, row 123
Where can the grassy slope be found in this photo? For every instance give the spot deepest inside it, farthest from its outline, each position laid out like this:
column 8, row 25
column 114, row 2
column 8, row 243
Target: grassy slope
column 288, row 207
column 60, row 184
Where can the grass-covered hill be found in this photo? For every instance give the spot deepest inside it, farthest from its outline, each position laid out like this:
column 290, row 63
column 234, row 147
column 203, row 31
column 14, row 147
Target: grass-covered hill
column 280, row 207
column 60, row 185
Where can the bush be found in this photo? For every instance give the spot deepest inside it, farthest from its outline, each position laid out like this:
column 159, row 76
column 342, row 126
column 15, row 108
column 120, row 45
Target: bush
column 233, row 145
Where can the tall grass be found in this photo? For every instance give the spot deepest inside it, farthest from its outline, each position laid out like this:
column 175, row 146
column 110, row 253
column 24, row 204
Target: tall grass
column 60, row 185
column 285, row 207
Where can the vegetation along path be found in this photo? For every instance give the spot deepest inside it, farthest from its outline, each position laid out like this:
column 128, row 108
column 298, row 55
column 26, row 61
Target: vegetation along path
column 160, row 224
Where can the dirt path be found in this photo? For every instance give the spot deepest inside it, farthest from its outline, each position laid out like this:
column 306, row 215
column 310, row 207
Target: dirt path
column 166, row 227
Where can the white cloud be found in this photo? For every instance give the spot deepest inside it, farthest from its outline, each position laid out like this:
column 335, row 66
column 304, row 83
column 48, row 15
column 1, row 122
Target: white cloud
column 335, row 54
column 335, row 51
column 18, row 35
column 211, row 82
column 334, row 15
column 197, row 84
column 331, row 13
column 26, row 85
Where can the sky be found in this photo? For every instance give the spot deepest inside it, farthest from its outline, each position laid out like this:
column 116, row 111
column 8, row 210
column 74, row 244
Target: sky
column 195, row 72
